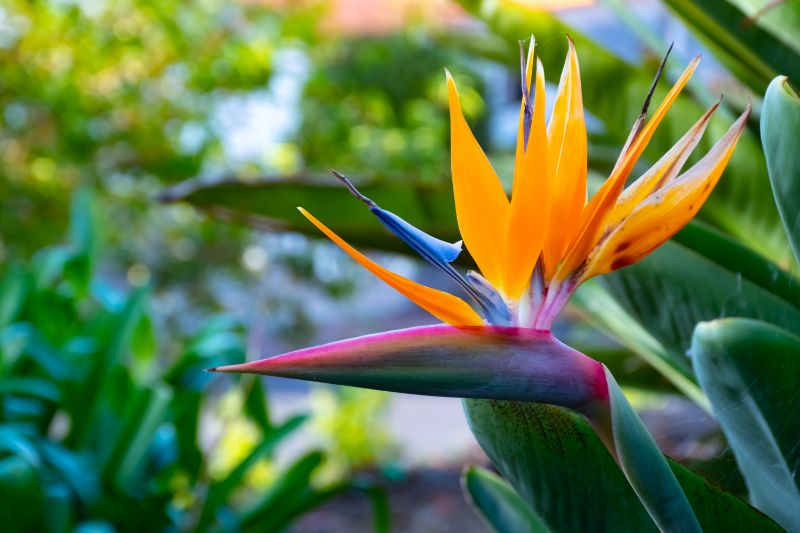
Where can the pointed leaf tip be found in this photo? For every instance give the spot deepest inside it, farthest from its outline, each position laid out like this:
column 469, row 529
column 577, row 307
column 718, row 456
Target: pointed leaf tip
column 780, row 125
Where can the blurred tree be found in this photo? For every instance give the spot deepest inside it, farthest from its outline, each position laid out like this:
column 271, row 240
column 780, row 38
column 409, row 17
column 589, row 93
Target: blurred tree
column 118, row 94
column 377, row 106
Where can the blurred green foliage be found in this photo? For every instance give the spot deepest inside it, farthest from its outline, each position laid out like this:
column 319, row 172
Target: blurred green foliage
column 120, row 95
column 101, row 427
column 349, row 422
column 377, row 106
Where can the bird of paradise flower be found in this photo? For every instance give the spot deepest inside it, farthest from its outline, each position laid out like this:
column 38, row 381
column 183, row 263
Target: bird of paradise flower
column 533, row 250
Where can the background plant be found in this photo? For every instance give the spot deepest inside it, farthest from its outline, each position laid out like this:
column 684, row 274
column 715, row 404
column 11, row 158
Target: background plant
column 101, row 427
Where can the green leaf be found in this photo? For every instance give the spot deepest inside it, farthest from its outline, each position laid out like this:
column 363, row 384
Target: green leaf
column 272, row 204
column 780, row 131
column 749, row 372
column 380, row 505
column 13, row 342
column 76, row 470
column 645, row 467
column 115, row 335
column 128, row 448
column 14, row 287
column 751, row 52
column 676, row 287
column 255, row 402
column 602, row 311
column 292, row 495
column 498, row 505
column 287, row 498
column 220, row 492
column 143, row 345
column 118, row 334
column 736, row 257
column 52, row 360
column 558, row 465
column 20, row 494
column 622, row 360
column 84, row 241
column 41, row 389
column 58, row 502
column 779, row 18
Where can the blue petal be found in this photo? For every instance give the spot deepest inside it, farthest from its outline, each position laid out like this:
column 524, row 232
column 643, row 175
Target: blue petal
column 424, row 244
column 438, row 253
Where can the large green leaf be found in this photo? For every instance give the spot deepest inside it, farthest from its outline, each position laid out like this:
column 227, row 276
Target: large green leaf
column 556, row 463
column 749, row 50
column 706, row 277
column 621, row 360
column 749, row 371
column 602, row 311
column 781, row 18
column 780, row 131
column 272, row 204
column 734, row 256
column 498, row 505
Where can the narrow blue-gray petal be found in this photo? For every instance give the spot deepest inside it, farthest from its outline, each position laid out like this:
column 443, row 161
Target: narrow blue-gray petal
column 495, row 304
column 426, row 245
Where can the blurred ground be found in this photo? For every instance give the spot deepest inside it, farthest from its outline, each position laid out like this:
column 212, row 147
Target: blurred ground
column 427, row 429
column 427, row 501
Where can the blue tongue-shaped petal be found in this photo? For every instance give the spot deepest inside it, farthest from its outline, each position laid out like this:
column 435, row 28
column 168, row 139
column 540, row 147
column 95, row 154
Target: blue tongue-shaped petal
column 435, row 251
column 429, row 247
column 421, row 242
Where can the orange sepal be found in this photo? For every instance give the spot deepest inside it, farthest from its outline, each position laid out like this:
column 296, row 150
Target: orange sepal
column 594, row 218
column 530, row 202
column 663, row 171
column 566, row 138
column 444, row 306
column 481, row 203
column 667, row 210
